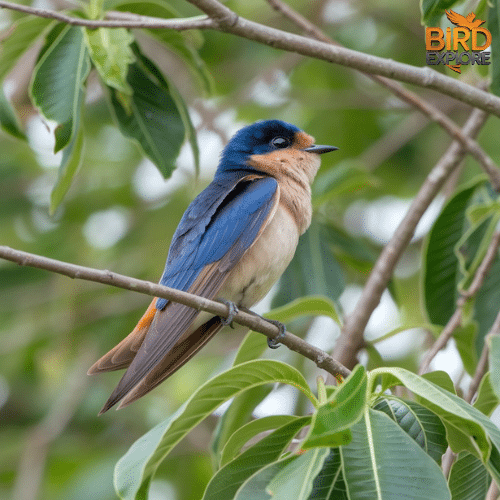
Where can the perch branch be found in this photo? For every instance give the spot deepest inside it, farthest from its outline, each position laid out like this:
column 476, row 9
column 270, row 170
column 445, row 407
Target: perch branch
column 321, row 358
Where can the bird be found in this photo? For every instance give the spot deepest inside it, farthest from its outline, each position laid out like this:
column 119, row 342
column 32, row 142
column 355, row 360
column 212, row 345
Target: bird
column 468, row 21
column 233, row 243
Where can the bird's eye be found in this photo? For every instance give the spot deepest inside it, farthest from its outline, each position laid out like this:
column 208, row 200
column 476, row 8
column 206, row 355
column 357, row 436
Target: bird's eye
column 280, row 142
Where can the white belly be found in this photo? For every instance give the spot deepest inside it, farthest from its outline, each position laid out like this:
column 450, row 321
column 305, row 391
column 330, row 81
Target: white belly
column 264, row 262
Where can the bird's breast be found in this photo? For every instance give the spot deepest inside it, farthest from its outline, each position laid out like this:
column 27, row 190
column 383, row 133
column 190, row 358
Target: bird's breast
column 264, row 262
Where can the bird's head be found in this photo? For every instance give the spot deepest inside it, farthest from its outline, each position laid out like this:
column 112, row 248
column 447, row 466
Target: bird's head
column 272, row 147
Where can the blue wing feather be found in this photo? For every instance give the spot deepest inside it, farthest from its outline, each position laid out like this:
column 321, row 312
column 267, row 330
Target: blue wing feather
column 223, row 218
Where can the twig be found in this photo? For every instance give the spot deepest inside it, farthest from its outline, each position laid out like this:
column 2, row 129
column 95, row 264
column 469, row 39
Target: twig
column 492, row 492
column 409, row 97
column 117, row 19
column 448, row 459
column 321, row 358
column 455, row 320
column 351, row 339
column 223, row 19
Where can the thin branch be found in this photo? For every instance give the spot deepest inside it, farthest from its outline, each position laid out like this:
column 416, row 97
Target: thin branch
column 321, row 358
column 116, row 19
column 230, row 22
column 351, row 339
column 409, row 97
column 493, row 491
column 225, row 20
column 455, row 320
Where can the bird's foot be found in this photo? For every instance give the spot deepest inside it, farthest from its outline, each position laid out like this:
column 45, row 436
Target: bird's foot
column 272, row 343
column 233, row 311
column 275, row 343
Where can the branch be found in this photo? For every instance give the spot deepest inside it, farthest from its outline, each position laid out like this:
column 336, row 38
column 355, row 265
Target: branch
column 411, row 98
column 229, row 22
column 351, row 339
column 118, row 19
column 223, row 19
column 455, row 320
column 256, row 323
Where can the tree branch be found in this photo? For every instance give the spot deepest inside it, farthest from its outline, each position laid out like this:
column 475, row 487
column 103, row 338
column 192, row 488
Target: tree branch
column 351, row 339
column 455, row 320
column 229, row 22
column 116, row 19
column 223, row 19
column 256, row 323
column 409, row 97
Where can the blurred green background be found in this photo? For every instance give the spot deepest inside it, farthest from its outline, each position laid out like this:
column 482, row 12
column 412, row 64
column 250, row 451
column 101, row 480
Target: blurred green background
column 120, row 215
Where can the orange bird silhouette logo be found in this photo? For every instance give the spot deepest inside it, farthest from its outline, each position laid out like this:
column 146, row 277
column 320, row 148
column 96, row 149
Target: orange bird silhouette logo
column 464, row 21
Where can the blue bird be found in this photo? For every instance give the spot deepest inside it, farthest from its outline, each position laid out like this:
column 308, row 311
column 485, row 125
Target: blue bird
column 234, row 241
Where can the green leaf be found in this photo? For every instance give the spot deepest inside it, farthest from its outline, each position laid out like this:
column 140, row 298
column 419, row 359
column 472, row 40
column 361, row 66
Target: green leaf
column 182, row 43
column 494, row 362
column 331, row 422
column 313, row 270
column 305, row 306
column 58, row 82
column 71, row 161
column 110, row 51
column 469, row 479
column 383, row 463
column 238, row 413
column 465, row 340
column 441, row 379
column 240, row 437
column 136, row 468
column 433, row 10
column 465, row 432
column 329, row 483
column 486, row 400
column 253, row 345
column 494, row 28
column 422, row 425
column 487, row 303
column 478, row 213
column 153, row 119
column 298, row 476
column 254, row 488
column 225, row 483
column 179, row 101
column 8, row 119
column 22, row 35
column 441, row 271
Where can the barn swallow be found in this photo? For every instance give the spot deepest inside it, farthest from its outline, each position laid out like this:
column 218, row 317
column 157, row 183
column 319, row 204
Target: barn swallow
column 234, row 241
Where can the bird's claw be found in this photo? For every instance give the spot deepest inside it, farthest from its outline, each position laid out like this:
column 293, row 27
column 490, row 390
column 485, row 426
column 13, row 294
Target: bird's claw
column 233, row 311
column 275, row 343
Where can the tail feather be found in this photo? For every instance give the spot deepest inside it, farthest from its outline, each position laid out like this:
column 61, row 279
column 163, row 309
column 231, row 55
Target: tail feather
column 180, row 353
column 123, row 353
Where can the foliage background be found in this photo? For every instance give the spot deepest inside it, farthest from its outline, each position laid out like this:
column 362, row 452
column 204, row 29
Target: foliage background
column 120, row 214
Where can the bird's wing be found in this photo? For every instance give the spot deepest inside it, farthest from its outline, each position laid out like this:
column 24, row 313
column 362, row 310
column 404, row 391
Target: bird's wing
column 204, row 250
column 455, row 18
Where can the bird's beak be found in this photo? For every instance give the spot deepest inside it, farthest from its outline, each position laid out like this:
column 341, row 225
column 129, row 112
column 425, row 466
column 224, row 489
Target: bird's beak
column 319, row 150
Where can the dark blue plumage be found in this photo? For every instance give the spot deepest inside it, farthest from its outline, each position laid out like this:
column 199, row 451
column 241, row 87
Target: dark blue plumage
column 231, row 223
